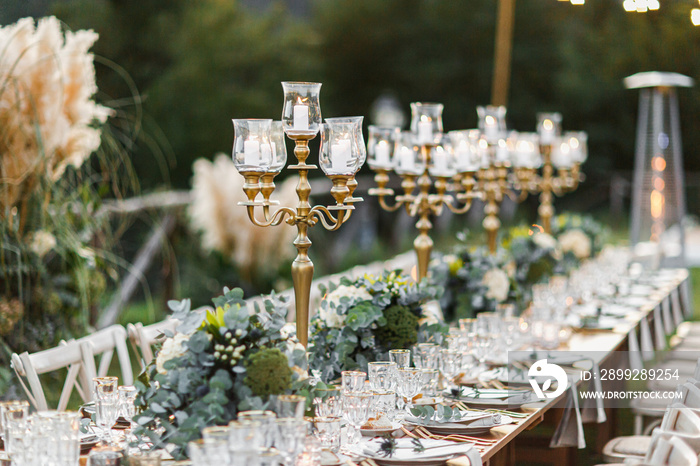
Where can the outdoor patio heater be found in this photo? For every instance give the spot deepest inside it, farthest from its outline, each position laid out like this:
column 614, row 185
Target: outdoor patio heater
column 658, row 195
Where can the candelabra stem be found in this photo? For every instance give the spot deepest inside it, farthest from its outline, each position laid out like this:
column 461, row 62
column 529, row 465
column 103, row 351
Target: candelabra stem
column 546, row 208
column 302, row 267
column 423, row 244
column 491, row 224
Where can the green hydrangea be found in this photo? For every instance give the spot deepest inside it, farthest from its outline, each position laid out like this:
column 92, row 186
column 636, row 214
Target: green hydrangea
column 400, row 330
column 268, row 372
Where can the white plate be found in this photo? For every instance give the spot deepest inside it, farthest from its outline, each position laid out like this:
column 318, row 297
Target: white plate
column 480, row 426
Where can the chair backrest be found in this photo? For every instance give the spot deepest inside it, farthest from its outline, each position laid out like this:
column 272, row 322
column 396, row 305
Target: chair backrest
column 76, row 357
column 143, row 337
column 681, row 419
column 670, row 450
column 689, row 394
column 104, row 343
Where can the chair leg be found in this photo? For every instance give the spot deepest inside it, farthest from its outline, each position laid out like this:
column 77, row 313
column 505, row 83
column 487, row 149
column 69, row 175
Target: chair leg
column 638, row 424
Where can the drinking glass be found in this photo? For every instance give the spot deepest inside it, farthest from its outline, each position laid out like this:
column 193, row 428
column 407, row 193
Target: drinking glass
column 267, row 425
column 425, row 355
column 41, row 439
column 106, row 405
column 67, row 438
column 246, row 435
column 289, row 440
column 289, row 405
column 430, row 381
column 328, row 432
column 15, row 415
column 450, row 366
column 357, row 407
column 145, row 458
column 328, row 402
column 197, row 453
column 127, row 397
column 217, row 450
column 382, row 375
column 105, row 455
column 402, row 357
column 383, row 404
column 410, row 383
column 216, row 433
column 353, row 381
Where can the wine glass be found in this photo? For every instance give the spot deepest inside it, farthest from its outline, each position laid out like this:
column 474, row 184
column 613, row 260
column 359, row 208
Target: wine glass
column 353, row 381
column 328, row 402
column 402, row 357
column 357, row 407
column 410, row 383
column 382, row 375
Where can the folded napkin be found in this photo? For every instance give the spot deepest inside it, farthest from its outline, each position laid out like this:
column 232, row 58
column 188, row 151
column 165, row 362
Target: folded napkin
column 666, row 312
column 646, row 344
column 569, row 432
column 685, row 298
column 405, row 448
column 472, row 458
column 659, row 335
column 676, row 307
column 593, row 410
column 635, row 354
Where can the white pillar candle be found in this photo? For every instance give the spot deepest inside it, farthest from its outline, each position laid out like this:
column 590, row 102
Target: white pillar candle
column 490, row 128
column 440, row 161
column 340, row 157
column 462, row 152
column 301, row 117
column 381, row 154
column 547, row 132
column 425, row 131
column 406, row 160
column 251, row 151
column 265, row 154
column 502, row 151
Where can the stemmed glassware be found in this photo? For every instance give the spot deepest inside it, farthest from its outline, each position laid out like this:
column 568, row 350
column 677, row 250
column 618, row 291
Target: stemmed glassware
column 402, row 357
column 106, row 405
column 328, row 402
column 289, row 441
column 357, row 410
column 450, row 365
column 410, row 383
column 353, row 381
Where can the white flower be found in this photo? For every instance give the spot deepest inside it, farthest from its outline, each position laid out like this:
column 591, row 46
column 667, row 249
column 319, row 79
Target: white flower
column 576, row 241
column 497, row 284
column 41, row 242
column 288, row 330
column 545, row 241
column 172, row 348
column 329, row 313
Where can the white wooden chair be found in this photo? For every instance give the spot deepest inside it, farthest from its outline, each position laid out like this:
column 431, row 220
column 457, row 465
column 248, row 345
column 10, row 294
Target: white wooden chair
column 76, row 357
column 670, row 450
column 143, row 337
column 104, row 343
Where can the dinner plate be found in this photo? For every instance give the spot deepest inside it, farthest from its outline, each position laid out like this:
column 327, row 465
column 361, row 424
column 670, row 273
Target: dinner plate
column 512, row 402
column 436, row 461
column 87, row 442
column 480, row 426
column 382, row 431
column 427, row 401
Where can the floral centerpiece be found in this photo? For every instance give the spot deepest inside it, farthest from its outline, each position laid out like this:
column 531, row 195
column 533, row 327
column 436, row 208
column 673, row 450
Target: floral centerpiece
column 580, row 236
column 361, row 320
column 216, row 364
column 474, row 281
column 537, row 255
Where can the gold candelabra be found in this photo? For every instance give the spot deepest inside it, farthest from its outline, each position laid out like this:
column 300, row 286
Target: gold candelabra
column 341, row 155
column 553, row 152
column 419, row 156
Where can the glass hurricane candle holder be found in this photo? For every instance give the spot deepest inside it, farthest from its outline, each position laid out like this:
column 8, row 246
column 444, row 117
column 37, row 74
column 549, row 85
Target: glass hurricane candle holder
column 548, row 127
column 252, row 148
column 359, row 139
column 380, row 146
column 426, row 122
column 279, row 149
column 492, row 122
column 407, row 157
column 578, row 145
column 339, row 152
column 561, row 154
column 442, row 163
column 526, row 151
column 467, row 152
column 301, row 114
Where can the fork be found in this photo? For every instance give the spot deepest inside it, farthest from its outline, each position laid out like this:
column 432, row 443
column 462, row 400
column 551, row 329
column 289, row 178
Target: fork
column 424, row 433
column 464, row 407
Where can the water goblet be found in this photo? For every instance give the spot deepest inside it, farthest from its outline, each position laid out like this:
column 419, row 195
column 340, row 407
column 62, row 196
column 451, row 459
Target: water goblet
column 289, row 440
column 267, row 425
column 353, row 381
column 106, row 414
column 410, row 383
column 450, row 366
column 289, row 406
column 356, row 407
column 382, row 375
column 328, row 432
column 145, row 458
column 402, row 357
column 430, row 381
column 328, row 402
column 425, row 355
column 67, row 438
column 383, row 405
column 105, row 387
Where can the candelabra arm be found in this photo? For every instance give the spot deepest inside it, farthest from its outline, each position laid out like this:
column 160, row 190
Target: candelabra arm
column 277, row 217
column 319, row 213
column 385, row 206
